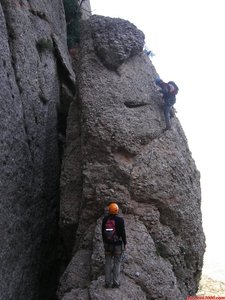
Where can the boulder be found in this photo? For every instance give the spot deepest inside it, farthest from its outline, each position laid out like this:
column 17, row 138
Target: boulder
column 117, row 148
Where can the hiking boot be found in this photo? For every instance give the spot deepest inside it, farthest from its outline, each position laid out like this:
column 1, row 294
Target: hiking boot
column 167, row 128
column 116, row 285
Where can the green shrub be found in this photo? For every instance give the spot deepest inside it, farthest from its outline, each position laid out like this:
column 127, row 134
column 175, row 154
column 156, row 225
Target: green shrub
column 73, row 15
column 43, row 44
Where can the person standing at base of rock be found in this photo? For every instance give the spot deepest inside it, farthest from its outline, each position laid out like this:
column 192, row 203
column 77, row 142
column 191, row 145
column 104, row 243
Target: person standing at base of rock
column 169, row 91
column 114, row 239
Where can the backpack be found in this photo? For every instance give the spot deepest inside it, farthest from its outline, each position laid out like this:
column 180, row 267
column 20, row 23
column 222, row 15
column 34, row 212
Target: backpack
column 173, row 88
column 110, row 233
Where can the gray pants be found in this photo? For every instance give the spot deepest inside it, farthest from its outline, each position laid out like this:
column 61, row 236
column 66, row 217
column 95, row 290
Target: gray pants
column 112, row 264
column 168, row 105
column 167, row 114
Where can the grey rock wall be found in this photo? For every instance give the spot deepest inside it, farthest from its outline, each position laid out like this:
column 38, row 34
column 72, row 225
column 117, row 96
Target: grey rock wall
column 117, row 147
column 33, row 64
column 85, row 9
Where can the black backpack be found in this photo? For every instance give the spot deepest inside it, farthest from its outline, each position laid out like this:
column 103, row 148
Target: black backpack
column 173, row 88
column 110, row 233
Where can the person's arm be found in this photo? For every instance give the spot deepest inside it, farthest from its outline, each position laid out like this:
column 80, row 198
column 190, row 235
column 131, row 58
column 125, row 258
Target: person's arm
column 123, row 232
column 103, row 226
column 163, row 86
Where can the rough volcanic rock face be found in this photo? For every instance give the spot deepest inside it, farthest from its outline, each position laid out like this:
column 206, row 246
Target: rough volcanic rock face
column 115, row 41
column 33, row 60
column 117, row 147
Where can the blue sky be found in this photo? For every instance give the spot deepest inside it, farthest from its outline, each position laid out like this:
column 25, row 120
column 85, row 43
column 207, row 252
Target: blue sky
column 187, row 39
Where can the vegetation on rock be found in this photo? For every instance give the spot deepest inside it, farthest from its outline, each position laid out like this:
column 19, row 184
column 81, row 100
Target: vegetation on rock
column 73, row 15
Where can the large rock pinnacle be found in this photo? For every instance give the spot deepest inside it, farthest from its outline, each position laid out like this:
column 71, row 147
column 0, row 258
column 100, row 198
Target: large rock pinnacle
column 116, row 147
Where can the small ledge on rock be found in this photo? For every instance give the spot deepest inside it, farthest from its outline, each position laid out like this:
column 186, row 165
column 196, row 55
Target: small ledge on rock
column 131, row 104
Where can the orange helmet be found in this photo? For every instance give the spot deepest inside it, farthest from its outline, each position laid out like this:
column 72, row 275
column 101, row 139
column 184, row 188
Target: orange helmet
column 113, row 209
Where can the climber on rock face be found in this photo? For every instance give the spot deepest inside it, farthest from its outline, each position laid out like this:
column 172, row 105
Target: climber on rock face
column 114, row 239
column 169, row 91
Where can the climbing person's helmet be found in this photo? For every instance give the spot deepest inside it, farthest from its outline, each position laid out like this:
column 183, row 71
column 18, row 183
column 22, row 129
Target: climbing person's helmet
column 113, row 209
column 158, row 80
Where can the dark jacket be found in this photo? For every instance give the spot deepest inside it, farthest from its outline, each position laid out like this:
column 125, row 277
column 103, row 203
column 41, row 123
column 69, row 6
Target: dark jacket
column 120, row 229
column 165, row 90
